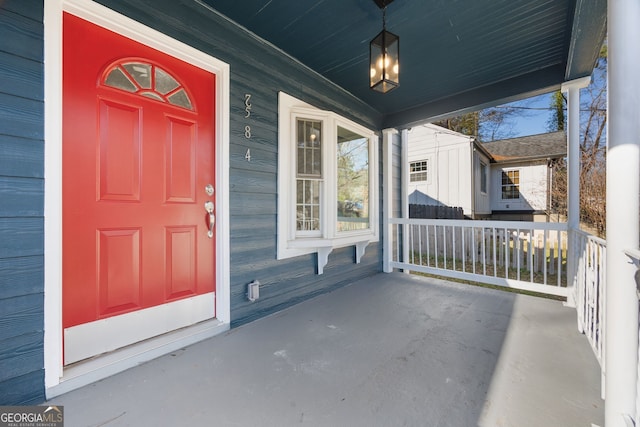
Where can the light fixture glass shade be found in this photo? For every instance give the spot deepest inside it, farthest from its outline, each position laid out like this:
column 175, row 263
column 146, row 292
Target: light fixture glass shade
column 384, row 62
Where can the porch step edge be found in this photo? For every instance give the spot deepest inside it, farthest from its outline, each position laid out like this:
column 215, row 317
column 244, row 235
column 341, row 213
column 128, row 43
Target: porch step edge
column 98, row 368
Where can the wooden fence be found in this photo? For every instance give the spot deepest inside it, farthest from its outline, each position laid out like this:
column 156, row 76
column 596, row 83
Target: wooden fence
column 435, row 212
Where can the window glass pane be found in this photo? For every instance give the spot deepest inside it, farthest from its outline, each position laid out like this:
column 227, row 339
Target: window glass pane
column 299, row 193
column 309, row 148
column 307, row 205
column 418, row 176
column 164, row 82
column 140, row 72
column 180, row 99
column 483, row 177
column 511, row 184
column 352, row 181
column 419, row 166
column 152, row 95
column 119, row 80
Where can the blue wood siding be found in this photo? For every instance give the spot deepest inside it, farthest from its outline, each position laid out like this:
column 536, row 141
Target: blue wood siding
column 260, row 70
column 21, row 202
column 256, row 68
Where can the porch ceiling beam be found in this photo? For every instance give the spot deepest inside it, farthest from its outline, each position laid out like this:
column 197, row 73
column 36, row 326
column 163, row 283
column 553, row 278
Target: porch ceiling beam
column 588, row 30
column 526, row 85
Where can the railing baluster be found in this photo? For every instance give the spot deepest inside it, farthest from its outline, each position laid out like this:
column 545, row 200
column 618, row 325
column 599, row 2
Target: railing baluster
column 444, row 245
column 423, row 230
column 518, row 254
column 501, row 249
column 397, row 251
column 428, row 248
column 544, row 256
column 435, row 242
column 495, row 265
column 559, row 237
column 531, row 255
column 411, row 245
column 473, row 246
column 484, row 255
column 507, row 244
column 464, row 250
column 453, row 245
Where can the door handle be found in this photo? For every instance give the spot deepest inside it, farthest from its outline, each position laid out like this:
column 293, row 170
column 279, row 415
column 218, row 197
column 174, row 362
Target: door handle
column 208, row 206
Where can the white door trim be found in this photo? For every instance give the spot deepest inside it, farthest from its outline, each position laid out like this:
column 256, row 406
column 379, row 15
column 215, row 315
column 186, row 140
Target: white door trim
column 100, row 15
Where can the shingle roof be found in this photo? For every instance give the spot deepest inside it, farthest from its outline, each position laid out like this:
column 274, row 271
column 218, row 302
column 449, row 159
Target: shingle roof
column 543, row 146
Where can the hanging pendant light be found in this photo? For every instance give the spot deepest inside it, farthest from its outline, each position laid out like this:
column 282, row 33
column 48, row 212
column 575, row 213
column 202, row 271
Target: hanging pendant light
column 384, row 56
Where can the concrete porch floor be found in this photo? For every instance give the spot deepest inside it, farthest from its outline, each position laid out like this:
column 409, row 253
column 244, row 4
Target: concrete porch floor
column 390, row 350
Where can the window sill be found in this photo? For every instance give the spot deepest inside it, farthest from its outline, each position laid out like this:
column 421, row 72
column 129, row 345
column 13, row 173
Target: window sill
column 324, row 247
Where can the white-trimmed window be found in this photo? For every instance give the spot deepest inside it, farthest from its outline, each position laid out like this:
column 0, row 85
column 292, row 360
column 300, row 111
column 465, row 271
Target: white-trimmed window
column 419, row 171
column 483, row 177
column 327, row 182
column 510, row 184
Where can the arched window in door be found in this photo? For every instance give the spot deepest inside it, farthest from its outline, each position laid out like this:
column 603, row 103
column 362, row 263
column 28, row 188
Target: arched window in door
column 147, row 80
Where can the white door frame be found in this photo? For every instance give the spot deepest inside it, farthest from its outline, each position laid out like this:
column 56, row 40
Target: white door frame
column 57, row 379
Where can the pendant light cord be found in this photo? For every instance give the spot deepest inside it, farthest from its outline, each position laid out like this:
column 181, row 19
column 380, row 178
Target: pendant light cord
column 384, row 18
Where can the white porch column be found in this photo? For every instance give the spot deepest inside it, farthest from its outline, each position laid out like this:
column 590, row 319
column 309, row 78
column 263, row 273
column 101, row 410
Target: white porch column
column 623, row 199
column 573, row 177
column 387, row 197
column 404, row 144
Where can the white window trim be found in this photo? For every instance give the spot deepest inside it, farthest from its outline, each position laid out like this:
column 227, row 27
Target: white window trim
column 507, row 170
column 428, row 171
column 289, row 243
column 486, row 176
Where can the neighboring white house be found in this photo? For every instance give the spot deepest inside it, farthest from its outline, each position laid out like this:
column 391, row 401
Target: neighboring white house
column 507, row 179
column 441, row 162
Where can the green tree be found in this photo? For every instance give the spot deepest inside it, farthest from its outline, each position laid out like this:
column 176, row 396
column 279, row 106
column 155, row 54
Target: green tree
column 558, row 106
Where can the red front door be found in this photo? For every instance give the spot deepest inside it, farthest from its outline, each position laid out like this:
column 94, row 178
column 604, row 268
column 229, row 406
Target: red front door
column 138, row 169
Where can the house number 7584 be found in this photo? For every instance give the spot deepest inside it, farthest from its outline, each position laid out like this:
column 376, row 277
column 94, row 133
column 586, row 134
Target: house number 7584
column 247, row 128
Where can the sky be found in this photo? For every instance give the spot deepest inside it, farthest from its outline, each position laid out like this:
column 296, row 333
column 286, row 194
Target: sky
column 537, row 114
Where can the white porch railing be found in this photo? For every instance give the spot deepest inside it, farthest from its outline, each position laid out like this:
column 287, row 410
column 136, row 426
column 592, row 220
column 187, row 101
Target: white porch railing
column 591, row 253
column 591, row 262
column 635, row 256
column 523, row 255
